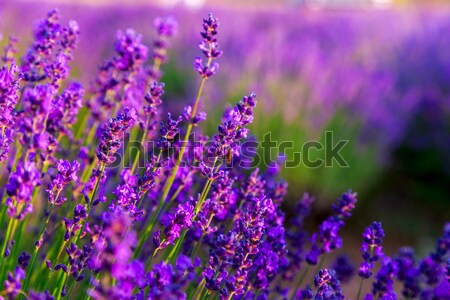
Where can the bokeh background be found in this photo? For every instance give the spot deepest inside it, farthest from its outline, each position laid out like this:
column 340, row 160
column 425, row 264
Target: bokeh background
column 375, row 72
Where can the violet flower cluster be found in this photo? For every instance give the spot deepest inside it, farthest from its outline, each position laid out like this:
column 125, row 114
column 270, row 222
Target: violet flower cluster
column 86, row 214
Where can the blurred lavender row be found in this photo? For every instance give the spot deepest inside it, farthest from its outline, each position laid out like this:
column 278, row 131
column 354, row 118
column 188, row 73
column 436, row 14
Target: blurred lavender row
column 377, row 78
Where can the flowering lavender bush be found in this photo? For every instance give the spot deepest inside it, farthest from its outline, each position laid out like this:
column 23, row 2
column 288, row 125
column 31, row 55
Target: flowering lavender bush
column 177, row 215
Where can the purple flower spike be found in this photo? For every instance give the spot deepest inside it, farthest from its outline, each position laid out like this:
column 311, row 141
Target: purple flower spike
column 383, row 287
column 110, row 139
column 209, row 45
column 13, row 282
column 67, row 172
column 327, row 239
column 20, row 189
column 344, row 268
column 9, row 95
column 210, row 48
column 345, row 205
column 165, row 29
column 371, row 249
column 327, row 285
column 24, row 260
column 408, row 272
column 232, row 129
column 130, row 49
column 182, row 219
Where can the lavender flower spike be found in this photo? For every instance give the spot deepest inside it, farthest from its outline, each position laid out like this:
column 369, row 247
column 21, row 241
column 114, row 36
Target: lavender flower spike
column 371, row 248
column 209, row 47
column 20, row 189
column 110, row 139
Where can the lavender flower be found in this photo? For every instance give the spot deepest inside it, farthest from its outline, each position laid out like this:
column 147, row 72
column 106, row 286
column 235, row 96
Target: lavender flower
column 327, row 285
column 114, row 130
column 154, row 101
column 327, row 238
column 383, row 287
column 72, row 226
column 371, row 249
column 233, row 128
column 166, row 281
column 9, row 93
column 49, row 55
column 344, row 268
column 67, row 172
column 131, row 52
column 408, row 272
column 20, row 189
column 24, row 260
column 10, row 49
column 65, row 110
column 13, row 282
column 165, row 29
column 181, row 219
column 209, row 47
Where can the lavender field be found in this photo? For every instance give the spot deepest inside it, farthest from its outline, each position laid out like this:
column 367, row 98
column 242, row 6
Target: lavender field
column 219, row 153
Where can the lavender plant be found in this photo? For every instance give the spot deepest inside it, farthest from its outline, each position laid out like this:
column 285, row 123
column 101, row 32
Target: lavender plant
column 182, row 217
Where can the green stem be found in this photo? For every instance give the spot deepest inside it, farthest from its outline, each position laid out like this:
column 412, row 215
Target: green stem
column 36, row 250
column 5, row 243
column 360, row 288
column 199, row 291
column 300, row 281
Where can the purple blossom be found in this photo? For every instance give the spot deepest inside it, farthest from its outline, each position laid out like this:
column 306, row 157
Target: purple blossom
column 67, row 172
column 166, row 281
column 345, row 205
column 371, row 249
column 51, row 50
column 151, row 110
column 131, row 52
column 344, row 268
column 408, row 273
column 169, row 130
column 165, row 29
column 72, row 226
column 181, row 219
column 13, row 282
column 10, row 49
column 65, row 110
column 383, row 287
column 327, row 285
column 20, row 189
column 9, row 94
column 209, row 46
column 112, row 133
column 233, row 128
column 24, row 260
column 327, row 238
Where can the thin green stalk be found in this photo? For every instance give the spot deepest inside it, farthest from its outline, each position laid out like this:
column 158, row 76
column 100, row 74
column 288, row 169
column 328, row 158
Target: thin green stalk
column 36, row 249
column 199, row 291
column 302, row 278
column 360, row 288
column 17, row 240
column 362, row 279
column 5, row 243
